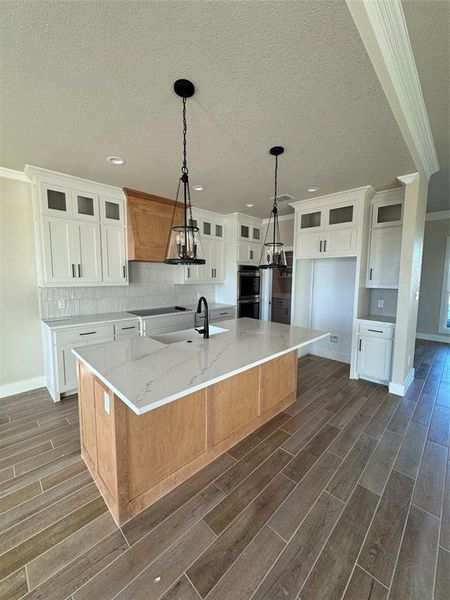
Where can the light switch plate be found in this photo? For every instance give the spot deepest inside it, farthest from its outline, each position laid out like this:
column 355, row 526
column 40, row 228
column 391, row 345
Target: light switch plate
column 61, row 304
column 106, row 402
column 380, row 303
column 334, row 339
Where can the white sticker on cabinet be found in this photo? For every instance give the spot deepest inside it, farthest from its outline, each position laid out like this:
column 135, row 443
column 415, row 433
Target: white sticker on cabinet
column 106, row 402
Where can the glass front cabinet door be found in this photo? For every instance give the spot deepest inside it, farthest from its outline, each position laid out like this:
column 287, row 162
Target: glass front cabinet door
column 85, row 206
column 56, row 201
column 112, row 211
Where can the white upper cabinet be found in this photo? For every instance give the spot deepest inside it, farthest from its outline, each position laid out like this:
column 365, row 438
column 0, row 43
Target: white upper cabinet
column 114, row 254
column 112, row 210
column 329, row 228
column 58, row 251
column 80, row 230
column 383, row 266
column 212, row 249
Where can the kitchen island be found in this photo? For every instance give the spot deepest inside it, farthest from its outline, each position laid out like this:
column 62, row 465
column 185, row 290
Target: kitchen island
column 154, row 411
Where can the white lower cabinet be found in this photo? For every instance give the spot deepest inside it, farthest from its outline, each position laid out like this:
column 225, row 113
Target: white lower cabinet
column 375, row 342
column 384, row 257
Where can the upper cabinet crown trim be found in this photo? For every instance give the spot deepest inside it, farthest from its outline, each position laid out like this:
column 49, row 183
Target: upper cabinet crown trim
column 37, row 174
column 363, row 192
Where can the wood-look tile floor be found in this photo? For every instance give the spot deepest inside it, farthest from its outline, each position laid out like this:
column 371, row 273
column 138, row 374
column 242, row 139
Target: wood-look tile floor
column 345, row 495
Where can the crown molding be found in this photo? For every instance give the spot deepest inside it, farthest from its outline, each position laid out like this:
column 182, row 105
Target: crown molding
column 365, row 191
column 289, row 217
column 12, row 174
column 409, row 178
column 438, row 215
column 41, row 175
column 383, row 30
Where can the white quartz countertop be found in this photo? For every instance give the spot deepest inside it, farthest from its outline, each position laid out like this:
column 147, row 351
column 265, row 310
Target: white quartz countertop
column 378, row 318
column 147, row 374
column 88, row 319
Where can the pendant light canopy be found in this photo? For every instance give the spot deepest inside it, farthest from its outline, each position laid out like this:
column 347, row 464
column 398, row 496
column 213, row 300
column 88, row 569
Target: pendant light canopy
column 183, row 243
column 273, row 256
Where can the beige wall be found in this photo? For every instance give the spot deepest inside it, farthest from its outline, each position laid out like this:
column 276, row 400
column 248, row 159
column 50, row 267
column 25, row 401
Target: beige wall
column 21, row 364
column 436, row 233
column 286, row 232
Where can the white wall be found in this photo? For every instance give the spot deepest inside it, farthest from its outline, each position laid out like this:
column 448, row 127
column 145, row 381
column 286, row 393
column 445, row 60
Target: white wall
column 436, row 233
column 332, row 305
column 21, row 365
column 286, row 231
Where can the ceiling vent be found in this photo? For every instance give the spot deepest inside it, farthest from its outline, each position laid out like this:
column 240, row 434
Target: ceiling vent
column 284, row 198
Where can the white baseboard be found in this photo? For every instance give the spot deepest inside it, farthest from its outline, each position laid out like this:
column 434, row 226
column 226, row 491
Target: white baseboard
column 433, row 337
column 17, row 387
column 333, row 355
column 399, row 389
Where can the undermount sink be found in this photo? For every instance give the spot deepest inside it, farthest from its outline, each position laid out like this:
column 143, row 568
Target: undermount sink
column 186, row 335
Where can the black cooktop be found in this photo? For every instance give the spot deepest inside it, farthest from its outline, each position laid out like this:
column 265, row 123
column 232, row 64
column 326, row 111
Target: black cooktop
column 157, row 311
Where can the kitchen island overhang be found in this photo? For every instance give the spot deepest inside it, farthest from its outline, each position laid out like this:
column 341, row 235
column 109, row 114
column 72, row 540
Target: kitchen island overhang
column 153, row 414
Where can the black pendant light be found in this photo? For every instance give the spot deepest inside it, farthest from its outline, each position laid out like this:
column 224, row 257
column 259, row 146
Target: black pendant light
column 273, row 256
column 182, row 246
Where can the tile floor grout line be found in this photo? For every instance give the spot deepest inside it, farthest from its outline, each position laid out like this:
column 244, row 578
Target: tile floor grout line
column 195, row 589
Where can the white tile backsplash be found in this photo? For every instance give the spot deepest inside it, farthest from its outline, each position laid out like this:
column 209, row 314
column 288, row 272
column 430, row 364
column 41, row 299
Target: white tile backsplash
column 151, row 285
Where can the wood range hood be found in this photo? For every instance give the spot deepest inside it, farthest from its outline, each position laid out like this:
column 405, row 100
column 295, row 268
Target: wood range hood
column 148, row 225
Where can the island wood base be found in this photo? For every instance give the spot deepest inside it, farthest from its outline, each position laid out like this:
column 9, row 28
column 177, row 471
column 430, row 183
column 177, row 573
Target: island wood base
column 136, row 459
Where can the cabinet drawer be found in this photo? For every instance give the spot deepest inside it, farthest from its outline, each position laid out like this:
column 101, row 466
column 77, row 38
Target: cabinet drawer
column 126, row 329
column 219, row 315
column 172, row 323
column 87, row 333
column 379, row 330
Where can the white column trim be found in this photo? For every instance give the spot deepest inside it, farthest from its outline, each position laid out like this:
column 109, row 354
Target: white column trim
column 382, row 27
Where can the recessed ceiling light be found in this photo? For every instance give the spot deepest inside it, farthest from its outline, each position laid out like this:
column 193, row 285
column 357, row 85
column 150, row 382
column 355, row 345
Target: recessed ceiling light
column 115, row 160
column 312, row 189
column 198, row 188
column 249, row 205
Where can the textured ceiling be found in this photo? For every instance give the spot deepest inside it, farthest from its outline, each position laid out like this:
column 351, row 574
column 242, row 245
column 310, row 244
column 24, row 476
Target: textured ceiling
column 83, row 80
column 428, row 24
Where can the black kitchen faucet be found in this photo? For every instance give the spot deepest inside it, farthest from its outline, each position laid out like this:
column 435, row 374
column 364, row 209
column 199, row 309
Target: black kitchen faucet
column 205, row 330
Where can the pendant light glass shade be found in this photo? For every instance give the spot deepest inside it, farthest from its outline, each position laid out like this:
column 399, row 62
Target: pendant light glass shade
column 272, row 255
column 183, row 245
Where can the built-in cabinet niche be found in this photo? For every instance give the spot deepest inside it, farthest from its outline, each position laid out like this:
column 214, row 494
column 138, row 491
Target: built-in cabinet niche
column 80, row 231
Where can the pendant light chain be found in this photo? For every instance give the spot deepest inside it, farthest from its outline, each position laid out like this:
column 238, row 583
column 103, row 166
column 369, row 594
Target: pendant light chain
column 184, row 168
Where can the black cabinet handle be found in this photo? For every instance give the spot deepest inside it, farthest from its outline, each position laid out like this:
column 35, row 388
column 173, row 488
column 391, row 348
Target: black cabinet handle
column 124, row 270
column 88, row 333
column 370, row 274
column 375, row 330
column 73, row 270
column 320, row 246
column 360, row 342
column 325, row 246
column 79, row 270
column 131, row 327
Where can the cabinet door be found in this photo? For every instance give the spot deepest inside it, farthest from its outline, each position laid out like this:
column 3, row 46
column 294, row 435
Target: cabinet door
column 243, row 252
column 114, row 254
column 384, row 257
column 85, row 206
column 87, row 252
column 312, row 220
column 309, row 245
column 204, row 272
column 218, row 260
column 244, row 231
column 67, row 368
column 219, row 230
column 387, row 214
column 374, row 358
column 58, row 246
column 256, row 233
column 55, row 200
column 112, row 211
column 340, row 242
column 339, row 217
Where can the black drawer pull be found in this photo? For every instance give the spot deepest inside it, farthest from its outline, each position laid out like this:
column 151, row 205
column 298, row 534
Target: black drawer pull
column 225, row 313
column 131, row 327
column 375, row 330
column 88, row 333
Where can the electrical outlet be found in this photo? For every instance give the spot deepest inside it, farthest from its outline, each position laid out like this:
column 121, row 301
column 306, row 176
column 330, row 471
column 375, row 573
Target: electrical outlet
column 334, row 339
column 380, row 303
column 106, row 403
column 61, row 304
